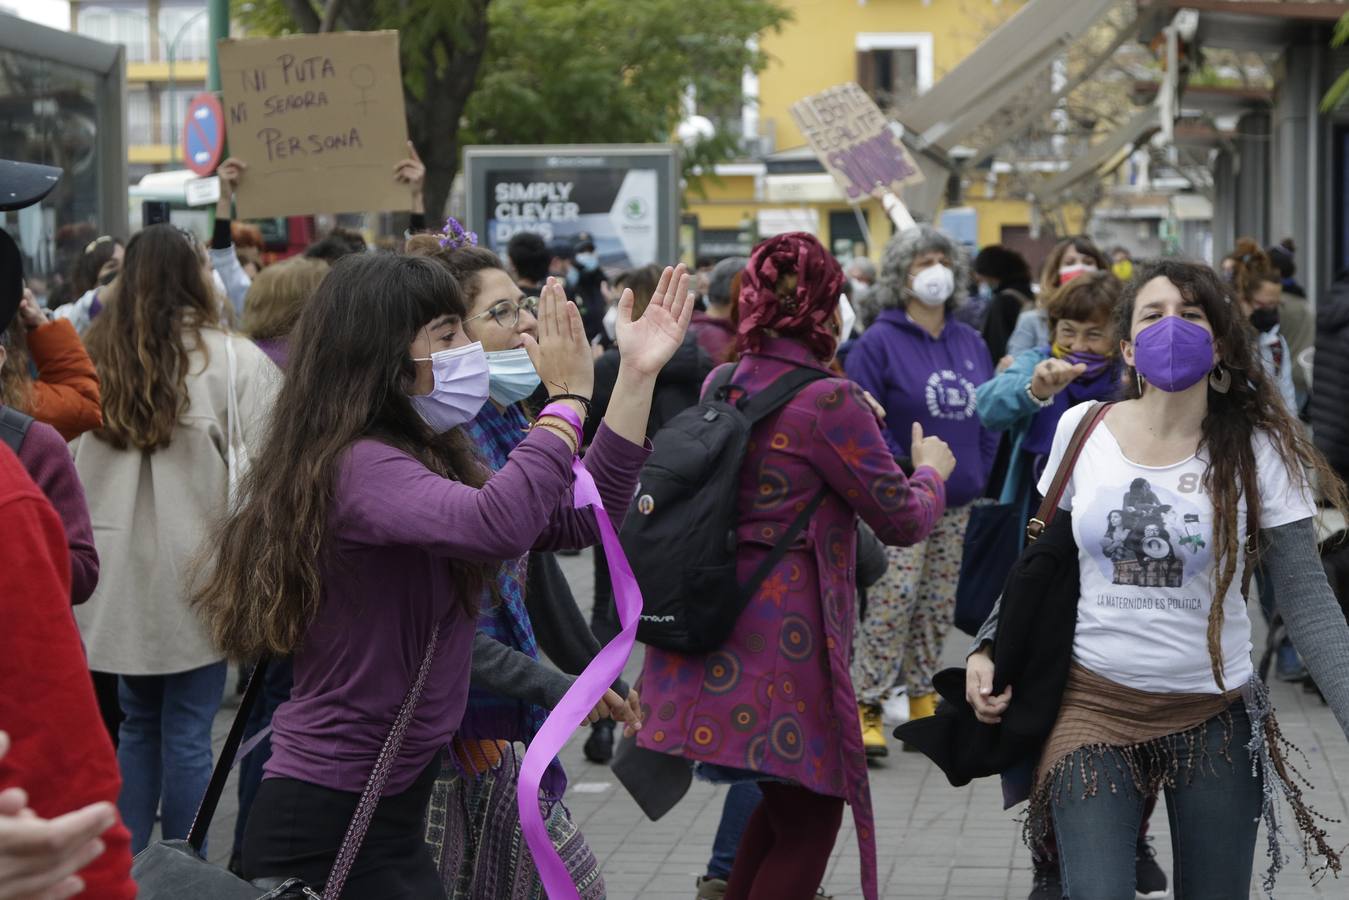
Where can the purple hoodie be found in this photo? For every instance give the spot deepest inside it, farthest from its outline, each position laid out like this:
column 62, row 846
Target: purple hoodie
column 919, row 378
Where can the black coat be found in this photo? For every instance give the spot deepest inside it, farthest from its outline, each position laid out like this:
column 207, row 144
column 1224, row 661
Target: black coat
column 1032, row 652
column 1003, row 311
column 1330, row 376
column 678, row 386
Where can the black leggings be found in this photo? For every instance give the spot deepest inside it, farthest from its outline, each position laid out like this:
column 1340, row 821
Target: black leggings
column 295, row 829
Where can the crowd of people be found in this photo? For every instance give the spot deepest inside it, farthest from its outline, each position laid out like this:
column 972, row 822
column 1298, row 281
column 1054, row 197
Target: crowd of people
column 351, row 473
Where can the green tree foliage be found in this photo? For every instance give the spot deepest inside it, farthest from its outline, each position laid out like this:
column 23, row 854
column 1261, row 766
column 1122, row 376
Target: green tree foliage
column 1340, row 89
column 593, row 71
column 550, row 71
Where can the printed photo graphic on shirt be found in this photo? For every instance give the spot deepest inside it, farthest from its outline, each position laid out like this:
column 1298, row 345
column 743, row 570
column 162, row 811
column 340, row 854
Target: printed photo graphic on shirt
column 1150, row 536
column 949, row 395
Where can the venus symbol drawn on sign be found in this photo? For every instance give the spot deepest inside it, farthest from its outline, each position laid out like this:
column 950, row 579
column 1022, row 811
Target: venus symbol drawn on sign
column 364, row 78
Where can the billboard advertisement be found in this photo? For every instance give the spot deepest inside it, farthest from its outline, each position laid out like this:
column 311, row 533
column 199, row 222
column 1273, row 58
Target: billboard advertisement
column 624, row 196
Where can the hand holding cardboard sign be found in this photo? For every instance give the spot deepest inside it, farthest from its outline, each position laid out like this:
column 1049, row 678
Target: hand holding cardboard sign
column 412, row 172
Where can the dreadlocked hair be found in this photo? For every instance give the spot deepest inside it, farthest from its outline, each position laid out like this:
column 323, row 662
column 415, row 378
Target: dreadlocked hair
column 1250, row 407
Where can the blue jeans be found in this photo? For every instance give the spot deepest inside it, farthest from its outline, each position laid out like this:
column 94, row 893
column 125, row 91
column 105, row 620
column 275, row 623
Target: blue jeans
column 1214, row 811
column 741, row 801
column 165, row 748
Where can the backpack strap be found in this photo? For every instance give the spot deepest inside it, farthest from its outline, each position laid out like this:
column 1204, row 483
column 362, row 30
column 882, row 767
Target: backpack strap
column 1050, row 506
column 772, row 398
column 770, row 562
column 13, row 427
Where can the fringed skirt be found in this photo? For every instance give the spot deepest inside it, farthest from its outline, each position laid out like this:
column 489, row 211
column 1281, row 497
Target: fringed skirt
column 473, row 833
column 1145, row 736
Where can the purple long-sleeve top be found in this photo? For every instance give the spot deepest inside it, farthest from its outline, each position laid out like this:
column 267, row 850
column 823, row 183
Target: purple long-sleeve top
column 46, row 456
column 394, row 528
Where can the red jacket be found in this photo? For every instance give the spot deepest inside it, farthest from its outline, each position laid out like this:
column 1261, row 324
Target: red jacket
column 61, row 754
column 66, row 394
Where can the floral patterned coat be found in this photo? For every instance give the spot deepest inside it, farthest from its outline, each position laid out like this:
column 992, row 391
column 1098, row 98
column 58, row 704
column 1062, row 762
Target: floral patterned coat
column 776, row 698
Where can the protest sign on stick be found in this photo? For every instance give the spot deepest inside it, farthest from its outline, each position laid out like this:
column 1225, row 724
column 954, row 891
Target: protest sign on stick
column 319, row 119
column 855, row 142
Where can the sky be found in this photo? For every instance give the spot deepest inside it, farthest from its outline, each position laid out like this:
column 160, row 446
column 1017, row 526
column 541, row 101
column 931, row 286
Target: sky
column 52, row 13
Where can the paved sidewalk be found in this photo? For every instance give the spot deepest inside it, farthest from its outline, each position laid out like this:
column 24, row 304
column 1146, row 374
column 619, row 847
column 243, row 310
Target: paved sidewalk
column 934, row 841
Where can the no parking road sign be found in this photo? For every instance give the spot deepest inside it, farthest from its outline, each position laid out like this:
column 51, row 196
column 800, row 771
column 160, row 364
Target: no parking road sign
column 203, row 134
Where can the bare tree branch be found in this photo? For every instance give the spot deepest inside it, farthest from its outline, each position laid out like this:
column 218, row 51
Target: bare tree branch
column 331, row 10
column 304, row 14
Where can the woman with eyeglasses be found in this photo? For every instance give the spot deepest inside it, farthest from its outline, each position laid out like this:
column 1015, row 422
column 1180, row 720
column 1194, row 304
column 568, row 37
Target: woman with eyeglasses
column 156, row 474
column 511, row 691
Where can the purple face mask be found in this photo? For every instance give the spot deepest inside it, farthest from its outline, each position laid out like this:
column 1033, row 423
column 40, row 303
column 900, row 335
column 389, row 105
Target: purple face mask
column 1096, row 363
column 1173, row 354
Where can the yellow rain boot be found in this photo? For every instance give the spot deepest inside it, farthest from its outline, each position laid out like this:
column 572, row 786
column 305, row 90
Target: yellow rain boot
column 873, row 731
column 920, row 708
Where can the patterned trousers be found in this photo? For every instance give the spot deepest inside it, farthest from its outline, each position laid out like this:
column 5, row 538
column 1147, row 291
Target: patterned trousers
column 909, row 612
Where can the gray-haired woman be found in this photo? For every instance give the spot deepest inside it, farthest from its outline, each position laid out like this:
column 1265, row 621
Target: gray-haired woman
column 923, row 366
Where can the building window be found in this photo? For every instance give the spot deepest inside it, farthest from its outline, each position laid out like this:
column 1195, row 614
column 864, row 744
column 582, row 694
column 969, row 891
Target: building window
column 173, row 110
column 187, row 26
column 894, row 67
column 128, row 25
column 140, row 121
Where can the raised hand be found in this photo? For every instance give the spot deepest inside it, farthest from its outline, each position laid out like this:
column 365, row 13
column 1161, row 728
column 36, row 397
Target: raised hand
column 411, row 171
column 1053, row 375
column 646, row 345
column 561, row 354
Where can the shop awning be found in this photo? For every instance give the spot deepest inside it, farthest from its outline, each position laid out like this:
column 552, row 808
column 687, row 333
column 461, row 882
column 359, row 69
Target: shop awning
column 1102, row 154
column 997, row 70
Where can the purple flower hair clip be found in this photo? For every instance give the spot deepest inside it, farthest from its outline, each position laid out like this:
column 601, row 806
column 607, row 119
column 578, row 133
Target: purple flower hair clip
column 454, row 235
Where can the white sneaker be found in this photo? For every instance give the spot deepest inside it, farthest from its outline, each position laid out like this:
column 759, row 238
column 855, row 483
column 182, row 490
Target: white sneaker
column 895, row 707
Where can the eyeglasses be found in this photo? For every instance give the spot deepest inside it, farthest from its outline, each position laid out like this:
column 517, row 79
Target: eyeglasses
column 507, row 312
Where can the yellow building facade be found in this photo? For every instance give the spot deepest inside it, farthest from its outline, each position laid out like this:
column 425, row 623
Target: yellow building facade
column 891, row 48
column 167, row 48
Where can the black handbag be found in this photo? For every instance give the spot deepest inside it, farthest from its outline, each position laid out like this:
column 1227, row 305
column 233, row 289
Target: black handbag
column 174, row 870
column 991, row 549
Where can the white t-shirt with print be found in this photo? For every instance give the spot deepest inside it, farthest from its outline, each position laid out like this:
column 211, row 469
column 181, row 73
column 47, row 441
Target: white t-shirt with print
column 1145, row 547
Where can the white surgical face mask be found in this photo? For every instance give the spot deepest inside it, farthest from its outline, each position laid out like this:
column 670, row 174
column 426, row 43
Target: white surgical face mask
column 847, row 318
column 459, row 390
column 934, row 285
column 511, row 375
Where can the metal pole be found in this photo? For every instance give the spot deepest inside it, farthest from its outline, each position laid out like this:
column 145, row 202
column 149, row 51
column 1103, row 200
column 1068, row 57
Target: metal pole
column 220, row 29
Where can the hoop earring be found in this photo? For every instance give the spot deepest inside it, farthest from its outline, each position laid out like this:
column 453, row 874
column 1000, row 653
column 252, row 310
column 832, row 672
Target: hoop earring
column 1138, row 378
column 1220, row 379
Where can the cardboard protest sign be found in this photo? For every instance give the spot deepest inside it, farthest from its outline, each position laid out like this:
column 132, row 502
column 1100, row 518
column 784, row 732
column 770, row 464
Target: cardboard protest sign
column 854, row 142
column 319, row 119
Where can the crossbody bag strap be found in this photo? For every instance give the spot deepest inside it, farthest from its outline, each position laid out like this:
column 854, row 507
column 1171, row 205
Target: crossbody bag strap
column 379, row 776
column 1036, row 526
column 201, row 823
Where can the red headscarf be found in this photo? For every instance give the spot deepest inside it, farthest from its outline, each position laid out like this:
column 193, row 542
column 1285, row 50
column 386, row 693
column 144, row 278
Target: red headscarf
column 805, row 314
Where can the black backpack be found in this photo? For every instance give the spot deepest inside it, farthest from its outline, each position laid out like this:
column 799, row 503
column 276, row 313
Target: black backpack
column 679, row 535
column 13, row 427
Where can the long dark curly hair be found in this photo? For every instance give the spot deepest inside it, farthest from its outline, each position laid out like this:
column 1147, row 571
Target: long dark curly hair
column 1250, row 406
column 348, row 378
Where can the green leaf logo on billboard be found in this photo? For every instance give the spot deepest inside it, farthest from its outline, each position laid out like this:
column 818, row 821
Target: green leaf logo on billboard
column 635, row 209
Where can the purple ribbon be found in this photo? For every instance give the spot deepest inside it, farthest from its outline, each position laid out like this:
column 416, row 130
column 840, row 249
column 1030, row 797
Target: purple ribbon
column 580, row 699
